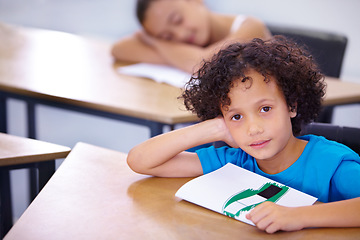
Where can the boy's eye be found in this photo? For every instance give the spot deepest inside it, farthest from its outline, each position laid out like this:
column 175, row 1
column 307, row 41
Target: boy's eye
column 236, row 117
column 265, row 109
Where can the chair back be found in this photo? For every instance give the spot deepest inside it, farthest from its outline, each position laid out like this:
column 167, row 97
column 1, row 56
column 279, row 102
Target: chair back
column 349, row 136
column 328, row 49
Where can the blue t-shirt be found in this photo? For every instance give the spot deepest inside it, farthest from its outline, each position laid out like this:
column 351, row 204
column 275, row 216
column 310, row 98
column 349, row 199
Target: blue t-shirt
column 326, row 169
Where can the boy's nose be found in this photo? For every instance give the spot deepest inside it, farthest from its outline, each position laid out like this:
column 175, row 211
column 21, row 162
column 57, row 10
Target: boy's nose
column 254, row 128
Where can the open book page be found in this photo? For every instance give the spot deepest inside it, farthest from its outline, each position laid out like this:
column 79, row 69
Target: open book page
column 234, row 191
column 157, row 72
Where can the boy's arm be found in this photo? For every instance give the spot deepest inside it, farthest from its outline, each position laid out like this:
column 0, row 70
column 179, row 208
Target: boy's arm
column 132, row 49
column 271, row 217
column 165, row 155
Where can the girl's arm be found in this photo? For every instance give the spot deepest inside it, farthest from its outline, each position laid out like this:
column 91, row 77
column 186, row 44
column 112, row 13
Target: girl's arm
column 165, row 155
column 271, row 217
column 188, row 57
column 251, row 28
column 132, row 49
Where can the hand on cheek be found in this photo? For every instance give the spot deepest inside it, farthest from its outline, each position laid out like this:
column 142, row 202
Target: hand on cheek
column 271, row 217
column 226, row 133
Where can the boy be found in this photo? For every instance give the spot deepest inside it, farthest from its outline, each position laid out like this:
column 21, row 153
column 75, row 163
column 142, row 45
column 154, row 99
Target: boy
column 255, row 97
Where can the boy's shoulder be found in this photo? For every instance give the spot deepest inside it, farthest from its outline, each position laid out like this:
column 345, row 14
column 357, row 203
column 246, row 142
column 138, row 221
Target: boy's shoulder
column 320, row 145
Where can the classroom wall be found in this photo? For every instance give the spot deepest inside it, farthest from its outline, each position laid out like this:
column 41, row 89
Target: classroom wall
column 112, row 19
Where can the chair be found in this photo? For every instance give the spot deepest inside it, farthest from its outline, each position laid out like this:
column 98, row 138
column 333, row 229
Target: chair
column 349, row 136
column 328, row 49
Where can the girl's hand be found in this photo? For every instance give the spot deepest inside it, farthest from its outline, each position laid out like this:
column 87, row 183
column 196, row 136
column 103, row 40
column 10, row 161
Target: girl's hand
column 271, row 217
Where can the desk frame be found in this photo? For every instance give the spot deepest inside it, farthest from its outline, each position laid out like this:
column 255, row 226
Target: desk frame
column 45, row 169
column 48, row 168
column 156, row 128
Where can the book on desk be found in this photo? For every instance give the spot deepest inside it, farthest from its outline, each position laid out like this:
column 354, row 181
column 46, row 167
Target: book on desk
column 158, row 72
column 234, row 191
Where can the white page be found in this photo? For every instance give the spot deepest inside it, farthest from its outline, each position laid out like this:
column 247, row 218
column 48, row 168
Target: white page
column 157, row 72
column 215, row 189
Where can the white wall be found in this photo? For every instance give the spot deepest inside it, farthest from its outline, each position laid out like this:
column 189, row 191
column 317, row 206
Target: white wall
column 111, row 19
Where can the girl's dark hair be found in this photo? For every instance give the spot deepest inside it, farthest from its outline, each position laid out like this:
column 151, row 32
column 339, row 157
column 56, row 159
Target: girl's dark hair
column 141, row 8
column 294, row 69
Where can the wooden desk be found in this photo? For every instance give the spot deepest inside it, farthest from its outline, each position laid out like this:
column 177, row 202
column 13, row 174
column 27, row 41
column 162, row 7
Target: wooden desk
column 94, row 195
column 71, row 72
column 18, row 152
column 340, row 91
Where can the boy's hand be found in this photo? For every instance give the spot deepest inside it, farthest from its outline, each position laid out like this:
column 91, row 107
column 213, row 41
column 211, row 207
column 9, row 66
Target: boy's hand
column 271, row 217
column 226, row 136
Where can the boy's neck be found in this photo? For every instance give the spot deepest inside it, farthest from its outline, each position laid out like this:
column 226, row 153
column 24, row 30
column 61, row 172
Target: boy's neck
column 285, row 158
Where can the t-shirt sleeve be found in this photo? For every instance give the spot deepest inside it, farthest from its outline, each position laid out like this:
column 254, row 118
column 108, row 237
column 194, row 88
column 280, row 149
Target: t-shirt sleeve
column 212, row 158
column 346, row 181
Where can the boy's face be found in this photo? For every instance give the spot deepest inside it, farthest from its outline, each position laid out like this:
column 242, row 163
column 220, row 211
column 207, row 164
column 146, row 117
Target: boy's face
column 183, row 21
column 258, row 117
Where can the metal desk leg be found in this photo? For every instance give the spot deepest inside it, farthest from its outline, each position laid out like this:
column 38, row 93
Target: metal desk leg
column 31, row 124
column 3, row 111
column 155, row 128
column 33, row 183
column 5, row 203
column 46, row 170
column 42, row 173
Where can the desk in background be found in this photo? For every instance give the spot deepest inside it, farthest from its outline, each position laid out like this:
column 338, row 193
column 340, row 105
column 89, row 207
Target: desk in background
column 66, row 71
column 71, row 72
column 16, row 153
column 94, row 195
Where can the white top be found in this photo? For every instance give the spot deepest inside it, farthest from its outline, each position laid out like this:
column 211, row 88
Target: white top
column 237, row 23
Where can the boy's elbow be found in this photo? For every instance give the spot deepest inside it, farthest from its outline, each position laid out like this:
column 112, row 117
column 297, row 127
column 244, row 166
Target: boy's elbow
column 134, row 161
column 115, row 52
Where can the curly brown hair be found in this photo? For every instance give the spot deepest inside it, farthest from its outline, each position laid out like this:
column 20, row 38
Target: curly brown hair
column 296, row 73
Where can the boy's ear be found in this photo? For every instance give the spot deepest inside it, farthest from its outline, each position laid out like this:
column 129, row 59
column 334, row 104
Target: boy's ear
column 293, row 110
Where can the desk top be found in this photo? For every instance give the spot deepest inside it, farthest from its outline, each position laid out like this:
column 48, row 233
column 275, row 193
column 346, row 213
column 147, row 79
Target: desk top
column 94, row 195
column 66, row 68
column 339, row 92
column 18, row 150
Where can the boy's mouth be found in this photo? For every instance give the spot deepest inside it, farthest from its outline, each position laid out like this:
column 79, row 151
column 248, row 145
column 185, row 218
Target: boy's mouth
column 259, row 144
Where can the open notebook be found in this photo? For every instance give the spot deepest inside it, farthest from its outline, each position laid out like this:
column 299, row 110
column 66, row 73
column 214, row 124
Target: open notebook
column 234, row 191
column 157, row 72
